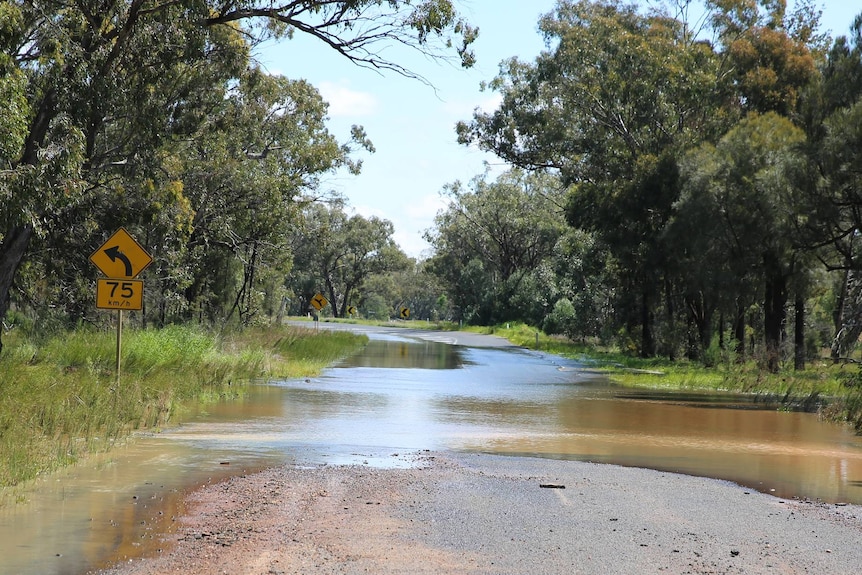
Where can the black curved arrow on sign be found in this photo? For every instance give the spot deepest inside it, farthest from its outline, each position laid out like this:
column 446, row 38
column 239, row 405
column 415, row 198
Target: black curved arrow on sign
column 115, row 254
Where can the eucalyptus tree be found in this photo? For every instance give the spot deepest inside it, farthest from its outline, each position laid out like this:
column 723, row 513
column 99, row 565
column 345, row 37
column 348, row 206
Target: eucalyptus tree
column 711, row 275
column 613, row 104
column 491, row 241
column 771, row 56
column 834, row 124
column 769, row 52
column 744, row 190
column 78, row 83
column 585, row 288
column 335, row 253
column 839, row 213
column 414, row 287
column 608, row 105
column 105, row 84
column 248, row 170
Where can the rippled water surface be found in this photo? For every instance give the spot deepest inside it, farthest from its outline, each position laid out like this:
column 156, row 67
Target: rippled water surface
column 402, row 395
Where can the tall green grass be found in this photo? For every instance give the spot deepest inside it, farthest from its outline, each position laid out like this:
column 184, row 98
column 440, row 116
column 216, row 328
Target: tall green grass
column 61, row 399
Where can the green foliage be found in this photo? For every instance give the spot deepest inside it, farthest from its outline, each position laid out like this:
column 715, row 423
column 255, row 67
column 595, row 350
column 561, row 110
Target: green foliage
column 493, row 244
column 615, row 84
column 689, row 173
column 849, row 408
column 336, row 253
column 609, row 106
column 156, row 118
column 770, row 54
column 742, row 192
column 13, row 123
column 434, row 17
column 561, row 319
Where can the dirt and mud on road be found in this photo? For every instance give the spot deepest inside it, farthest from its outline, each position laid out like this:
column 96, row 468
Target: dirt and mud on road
column 481, row 514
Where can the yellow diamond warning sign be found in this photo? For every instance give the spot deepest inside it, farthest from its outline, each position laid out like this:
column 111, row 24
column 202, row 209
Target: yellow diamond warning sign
column 319, row 302
column 121, row 256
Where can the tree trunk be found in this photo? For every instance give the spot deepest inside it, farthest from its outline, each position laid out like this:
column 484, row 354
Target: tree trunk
column 12, row 251
column 692, row 345
column 739, row 330
column 249, row 281
column 647, row 338
column 849, row 321
column 799, row 334
column 701, row 313
column 342, row 310
column 330, row 288
column 775, row 299
column 838, row 317
column 671, row 320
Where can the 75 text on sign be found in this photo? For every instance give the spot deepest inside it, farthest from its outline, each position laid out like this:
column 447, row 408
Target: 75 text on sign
column 120, row 294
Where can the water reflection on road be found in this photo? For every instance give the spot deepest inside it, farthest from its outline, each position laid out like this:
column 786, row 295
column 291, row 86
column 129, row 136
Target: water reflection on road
column 516, row 402
column 404, row 394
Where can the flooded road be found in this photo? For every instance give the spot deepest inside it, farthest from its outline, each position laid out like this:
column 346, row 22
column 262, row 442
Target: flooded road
column 404, row 393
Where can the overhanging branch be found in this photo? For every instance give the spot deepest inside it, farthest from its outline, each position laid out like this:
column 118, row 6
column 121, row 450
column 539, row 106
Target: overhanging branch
column 356, row 30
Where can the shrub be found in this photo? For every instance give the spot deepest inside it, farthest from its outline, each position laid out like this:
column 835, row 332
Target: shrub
column 561, row 320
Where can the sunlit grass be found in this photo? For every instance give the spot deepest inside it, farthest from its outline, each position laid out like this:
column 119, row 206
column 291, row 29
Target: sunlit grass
column 61, row 399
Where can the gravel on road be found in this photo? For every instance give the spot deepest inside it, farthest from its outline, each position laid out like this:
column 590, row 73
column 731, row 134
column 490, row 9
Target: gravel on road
column 483, row 514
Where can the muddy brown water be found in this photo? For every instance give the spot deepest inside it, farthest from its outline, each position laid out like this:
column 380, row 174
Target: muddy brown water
column 402, row 395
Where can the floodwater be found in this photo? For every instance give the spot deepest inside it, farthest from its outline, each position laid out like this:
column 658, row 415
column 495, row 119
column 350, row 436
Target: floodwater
column 402, row 395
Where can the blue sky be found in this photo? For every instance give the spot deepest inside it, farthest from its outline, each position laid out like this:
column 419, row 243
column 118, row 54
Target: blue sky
column 412, row 125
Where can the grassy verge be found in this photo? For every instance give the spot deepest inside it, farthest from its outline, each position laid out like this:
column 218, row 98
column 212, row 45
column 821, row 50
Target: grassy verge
column 835, row 391
column 60, row 400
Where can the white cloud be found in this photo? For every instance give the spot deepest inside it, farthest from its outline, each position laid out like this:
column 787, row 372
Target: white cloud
column 491, row 103
column 419, row 217
column 368, row 212
column 410, row 221
column 463, row 109
column 344, row 101
column 426, row 207
column 412, row 244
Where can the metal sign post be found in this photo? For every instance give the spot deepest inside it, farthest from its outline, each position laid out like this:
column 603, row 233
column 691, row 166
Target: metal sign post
column 119, row 341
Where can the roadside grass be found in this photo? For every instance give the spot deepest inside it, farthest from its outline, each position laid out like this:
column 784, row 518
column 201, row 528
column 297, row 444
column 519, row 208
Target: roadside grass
column 832, row 390
column 60, row 399
column 297, row 352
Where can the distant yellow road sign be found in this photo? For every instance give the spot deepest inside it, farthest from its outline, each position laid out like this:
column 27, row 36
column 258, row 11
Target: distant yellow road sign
column 121, row 256
column 351, row 310
column 405, row 313
column 120, row 294
column 319, row 302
